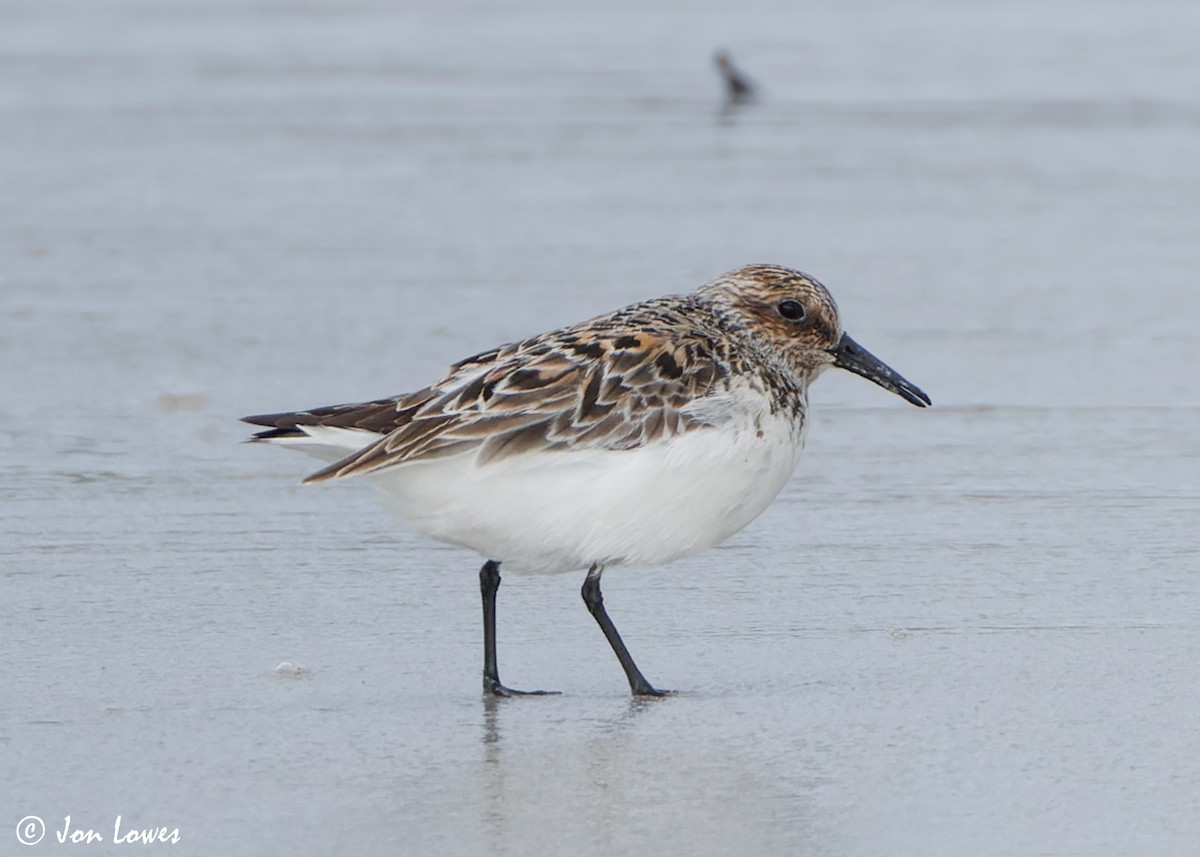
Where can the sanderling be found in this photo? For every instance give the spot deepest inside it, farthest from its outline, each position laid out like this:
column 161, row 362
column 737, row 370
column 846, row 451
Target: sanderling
column 641, row 436
column 738, row 88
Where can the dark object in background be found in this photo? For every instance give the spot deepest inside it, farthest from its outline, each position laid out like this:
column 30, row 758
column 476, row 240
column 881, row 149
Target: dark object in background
column 738, row 88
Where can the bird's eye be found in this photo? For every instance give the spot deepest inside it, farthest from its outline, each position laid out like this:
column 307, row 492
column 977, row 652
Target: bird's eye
column 791, row 310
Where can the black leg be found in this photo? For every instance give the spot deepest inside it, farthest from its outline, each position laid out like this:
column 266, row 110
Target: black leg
column 489, row 582
column 594, row 600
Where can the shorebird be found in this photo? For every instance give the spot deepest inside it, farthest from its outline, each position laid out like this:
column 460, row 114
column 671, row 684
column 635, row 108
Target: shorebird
column 640, row 436
column 738, row 88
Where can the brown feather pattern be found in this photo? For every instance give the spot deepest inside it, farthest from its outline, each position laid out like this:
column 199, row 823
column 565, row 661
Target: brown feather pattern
column 615, row 382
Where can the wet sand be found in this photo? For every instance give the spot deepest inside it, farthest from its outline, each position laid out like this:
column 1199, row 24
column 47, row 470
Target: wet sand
column 968, row 630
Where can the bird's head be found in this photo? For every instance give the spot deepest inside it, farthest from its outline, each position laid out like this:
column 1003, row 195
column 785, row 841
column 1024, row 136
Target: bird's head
column 794, row 316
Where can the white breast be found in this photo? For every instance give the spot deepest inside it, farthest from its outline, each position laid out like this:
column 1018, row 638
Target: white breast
column 559, row 511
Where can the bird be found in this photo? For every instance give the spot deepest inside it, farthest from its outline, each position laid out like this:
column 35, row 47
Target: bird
column 738, row 88
column 638, row 437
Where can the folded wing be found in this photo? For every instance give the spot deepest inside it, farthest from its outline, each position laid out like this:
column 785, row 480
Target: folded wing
column 580, row 388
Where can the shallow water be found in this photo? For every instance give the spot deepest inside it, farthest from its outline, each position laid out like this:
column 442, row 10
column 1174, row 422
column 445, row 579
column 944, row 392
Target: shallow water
column 967, row 630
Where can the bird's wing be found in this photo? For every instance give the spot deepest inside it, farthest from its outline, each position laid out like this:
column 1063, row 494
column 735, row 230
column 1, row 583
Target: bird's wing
column 575, row 389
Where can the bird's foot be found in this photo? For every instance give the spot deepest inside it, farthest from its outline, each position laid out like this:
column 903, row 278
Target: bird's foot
column 645, row 689
column 493, row 687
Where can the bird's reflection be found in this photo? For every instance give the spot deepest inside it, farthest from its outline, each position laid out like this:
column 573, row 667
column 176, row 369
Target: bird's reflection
column 491, row 734
column 491, row 727
column 583, row 777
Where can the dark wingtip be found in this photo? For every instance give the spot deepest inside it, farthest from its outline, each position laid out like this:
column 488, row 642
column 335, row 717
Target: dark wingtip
column 278, row 426
column 272, row 434
column 271, row 420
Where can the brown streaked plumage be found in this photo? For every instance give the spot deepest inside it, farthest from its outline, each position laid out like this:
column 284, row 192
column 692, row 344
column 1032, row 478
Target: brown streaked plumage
column 618, row 381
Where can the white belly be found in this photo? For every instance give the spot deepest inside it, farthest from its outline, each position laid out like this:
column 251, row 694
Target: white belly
column 560, row 511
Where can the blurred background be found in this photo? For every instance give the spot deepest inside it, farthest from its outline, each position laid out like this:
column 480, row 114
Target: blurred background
column 964, row 630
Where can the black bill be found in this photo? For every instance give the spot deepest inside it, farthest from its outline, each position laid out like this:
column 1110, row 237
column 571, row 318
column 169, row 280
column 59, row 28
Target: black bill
column 848, row 354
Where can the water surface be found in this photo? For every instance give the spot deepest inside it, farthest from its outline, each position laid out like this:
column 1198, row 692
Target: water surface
column 967, row 630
